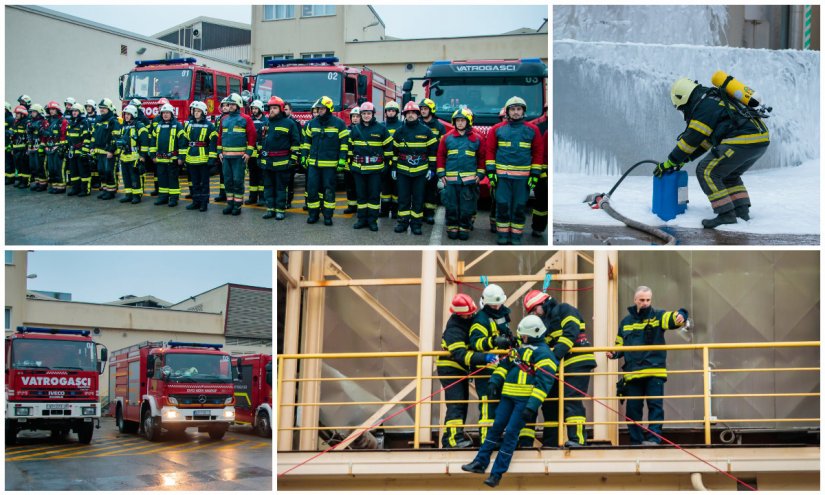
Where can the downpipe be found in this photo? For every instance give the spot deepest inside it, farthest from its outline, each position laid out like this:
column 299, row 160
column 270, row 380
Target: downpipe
column 696, row 482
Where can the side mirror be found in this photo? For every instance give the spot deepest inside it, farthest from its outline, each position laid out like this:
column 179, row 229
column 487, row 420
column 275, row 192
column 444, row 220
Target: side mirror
column 269, row 374
column 104, row 356
column 150, row 366
column 361, row 99
column 238, row 365
column 120, row 87
column 362, row 84
column 408, row 86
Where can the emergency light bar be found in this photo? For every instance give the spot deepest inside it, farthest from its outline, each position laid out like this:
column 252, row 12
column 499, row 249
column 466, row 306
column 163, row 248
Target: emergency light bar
column 171, row 61
column 84, row 333
column 172, row 343
column 301, row 61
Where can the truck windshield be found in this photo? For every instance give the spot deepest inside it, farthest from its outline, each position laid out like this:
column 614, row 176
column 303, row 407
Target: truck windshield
column 175, row 84
column 198, row 368
column 53, row 355
column 300, row 89
column 486, row 95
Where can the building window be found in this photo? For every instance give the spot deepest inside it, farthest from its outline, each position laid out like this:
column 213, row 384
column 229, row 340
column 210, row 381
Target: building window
column 317, row 55
column 8, row 318
column 317, row 10
column 278, row 12
column 287, row 56
column 9, row 257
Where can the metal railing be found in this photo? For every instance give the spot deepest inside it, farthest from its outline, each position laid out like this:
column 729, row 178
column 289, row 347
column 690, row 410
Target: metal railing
column 419, row 377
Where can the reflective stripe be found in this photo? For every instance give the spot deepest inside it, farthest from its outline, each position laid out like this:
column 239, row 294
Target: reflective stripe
column 700, row 127
column 580, row 358
column 682, row 144
column 548, row 363
column 762, row 137
column 650, row 372
column 566, row 341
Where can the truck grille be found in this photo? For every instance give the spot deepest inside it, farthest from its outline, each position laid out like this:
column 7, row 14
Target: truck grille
column 57, row 412
column 202, row 399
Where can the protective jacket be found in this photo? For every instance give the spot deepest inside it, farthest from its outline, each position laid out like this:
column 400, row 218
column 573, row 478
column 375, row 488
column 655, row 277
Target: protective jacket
column 488, row 324
column 371, row 148
column 168, row 142
column 461, row 158
column 133, row 141
column 645, row 328
column 528, row 373
column 236, row 134
column 514, row 150
column 201, row 142
column 566, row 330
column 280, row 143
column 103, row 134
column 456, row 340
column 415, row 148
column 327, row 141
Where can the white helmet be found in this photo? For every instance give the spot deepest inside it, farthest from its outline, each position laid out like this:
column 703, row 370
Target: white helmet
column 69, row 100
column 493, row 294
column 257, row 104
column 131, row 110
column 199, row 105
column 531, row 326
column 167, row 107
column 91, row 103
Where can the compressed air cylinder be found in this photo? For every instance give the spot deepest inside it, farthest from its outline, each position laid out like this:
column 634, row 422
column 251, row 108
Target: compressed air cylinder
column 670, row 194
column 735, row 89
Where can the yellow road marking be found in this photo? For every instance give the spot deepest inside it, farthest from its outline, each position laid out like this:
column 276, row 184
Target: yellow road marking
column 113, row 445
column 68, row 451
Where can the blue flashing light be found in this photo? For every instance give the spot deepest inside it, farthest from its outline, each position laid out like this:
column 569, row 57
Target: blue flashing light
column 173, row 343
column 171, row 61
column 531, row 61
column 53, row 331
column 276, row 62
column 442, row 62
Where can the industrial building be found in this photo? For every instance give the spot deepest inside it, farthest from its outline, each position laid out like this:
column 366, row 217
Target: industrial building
column 215, row 37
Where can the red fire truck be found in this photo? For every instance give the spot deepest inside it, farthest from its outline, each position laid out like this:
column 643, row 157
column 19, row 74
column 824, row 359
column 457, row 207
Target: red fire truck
column 484, row 86
column 253, row 393
column 181, row 81
column 302, row 81
column 52, row 382
column 172, row 386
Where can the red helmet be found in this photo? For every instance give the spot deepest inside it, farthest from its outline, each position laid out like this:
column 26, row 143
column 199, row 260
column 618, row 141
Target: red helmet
column 533, row 299
column 162, row 101
column 463, row 305
column 411, row 107
column 21, row 109
column 54, row 105
column 275, row 101
column 367, row 107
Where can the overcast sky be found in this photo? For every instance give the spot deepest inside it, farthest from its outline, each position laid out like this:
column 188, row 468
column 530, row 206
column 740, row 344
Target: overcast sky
column 104, row 276
column 419, row 21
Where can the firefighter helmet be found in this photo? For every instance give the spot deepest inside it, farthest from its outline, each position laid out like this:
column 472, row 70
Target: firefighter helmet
column 531, row 326
column 107, row 103
column 355, row 111
column 257, row 104
column 37, row 107
column 463, row 113
column 235, row 99
column 516, row 101
column 463, row 304
column 681, row 90
column 69, row 100
column 90, row 103
column 21, row 109
column 135, row 102
column 392, row 105
column 199, row 105
column 533, row 299
column 131, row 110
column 54, row 105
column 502, row 113
column 167, row 107
column 426, row 102
column 367, row 107
column 493, row 294
column 412, row 106
column 25, row 100
column 79, row 107
column 276, row 101
column 8, row 107
column 326, row 102
column 163, row 101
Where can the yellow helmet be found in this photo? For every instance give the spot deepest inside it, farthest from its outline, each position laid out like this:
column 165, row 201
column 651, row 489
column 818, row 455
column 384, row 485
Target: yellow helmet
column 107, row 103
column 426, row 102
column 392, row 105
column 516, row 101
column 463, row 113
column 37, row 107
column 326, row 102
column 681, row 90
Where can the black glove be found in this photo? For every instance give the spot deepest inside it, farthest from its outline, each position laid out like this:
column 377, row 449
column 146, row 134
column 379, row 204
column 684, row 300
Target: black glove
column 493, row 391
column 621, row 389
column 528, row 415
column 502, row 342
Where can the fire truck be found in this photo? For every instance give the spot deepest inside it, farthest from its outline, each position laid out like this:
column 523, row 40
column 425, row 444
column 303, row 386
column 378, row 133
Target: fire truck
column 253, row 393
column 484, row 86
column 179, row 80
column 302, row 81
column 52, row 382
column 172, row 386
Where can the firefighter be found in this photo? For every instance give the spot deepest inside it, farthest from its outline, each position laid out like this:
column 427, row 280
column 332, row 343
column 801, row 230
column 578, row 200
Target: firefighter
column 565, row 330
column 514, row 154
column 26, row 101
column 736, row 137
column 77, row 137
column 645, row 371
column 460, row 167
column 91, row 159
column 221, row 186
column 530, row 375
column 295, row 167
column 542, row 190
column 142, row 118
column 415, row 149
column 104, row 147
column 502, row 116
column 324, row 151
column 201, row 153
column 279, row 147
column 389, row 187
column 133, row 146
column 36, row 131
column 167, row 147
column 371, row 151
column 9, row 132
column 18, row 147
column 150, row 163
column 236, row 140
column 349, row 181
column 68, row 103
column 429, row 119
column 256, row 178
column 55, row 148
column 451, row 369
column 490, row 330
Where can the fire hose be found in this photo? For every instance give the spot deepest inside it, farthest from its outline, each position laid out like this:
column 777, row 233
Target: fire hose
column 602, row 201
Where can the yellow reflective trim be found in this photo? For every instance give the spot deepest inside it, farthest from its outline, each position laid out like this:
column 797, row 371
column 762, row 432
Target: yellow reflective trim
column 650, row 372
column 762, row 137
column 566, row 341
column 456, row 345
column 700, row 127
column 580, row 358
column 525, row 145
column 682, row 145
column 547, row 362
column 569, row 319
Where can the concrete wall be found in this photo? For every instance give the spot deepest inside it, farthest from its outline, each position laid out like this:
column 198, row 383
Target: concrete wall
column 16, row 287
column 73, row 58
column 213, row 301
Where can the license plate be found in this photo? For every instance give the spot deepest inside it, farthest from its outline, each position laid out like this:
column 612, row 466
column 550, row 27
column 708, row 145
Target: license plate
column 206, row 413
column 57, row 406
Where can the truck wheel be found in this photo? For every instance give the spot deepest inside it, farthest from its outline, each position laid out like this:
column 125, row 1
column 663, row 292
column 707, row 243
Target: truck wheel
column 151, row 427
column 124, row 426
column 11, row 432
column 85, row 432
column 217, row 434
column 263, row 427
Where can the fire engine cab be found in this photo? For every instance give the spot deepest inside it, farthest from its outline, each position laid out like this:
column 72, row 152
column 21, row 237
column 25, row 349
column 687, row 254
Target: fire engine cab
column 301, row 82
column 253, row 393
column 172, row 386
column 179, row 80
column 52, row 382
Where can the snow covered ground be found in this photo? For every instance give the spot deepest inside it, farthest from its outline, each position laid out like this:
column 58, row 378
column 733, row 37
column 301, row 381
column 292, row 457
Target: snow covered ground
column 785, row 200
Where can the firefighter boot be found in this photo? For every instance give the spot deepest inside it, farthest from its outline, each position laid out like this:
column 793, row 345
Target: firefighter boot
column 416, row 229
column 173, row 201
column 236, row 208
column 503, row 238
column 253, row 198
column 515, row 239
column 280, row 215
column 463, row 235
column 493, row 480
column 155, row 192
column 313, row 217
column 721, row 219
column 401, row 227
column 203, row 206
column 193, row 206
column 328, row 221
column 162, row 200
column 743, row 212
column 473, row 467
column 351, row 209
column 75, row 190
column 228, row 209
column 269, row 214
column 127, row 198
column 136, row 198
column 359, row 224
column 373, row 226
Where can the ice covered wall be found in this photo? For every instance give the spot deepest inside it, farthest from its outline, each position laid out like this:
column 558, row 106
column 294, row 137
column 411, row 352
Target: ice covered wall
column 665, row 24
column 611, row 101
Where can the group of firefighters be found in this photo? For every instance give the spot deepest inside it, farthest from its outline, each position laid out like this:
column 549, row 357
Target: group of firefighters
column 513, row 387
column 399, row 168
